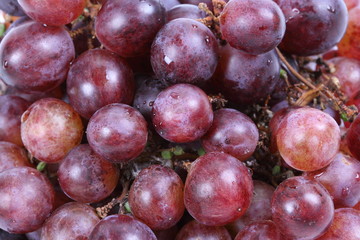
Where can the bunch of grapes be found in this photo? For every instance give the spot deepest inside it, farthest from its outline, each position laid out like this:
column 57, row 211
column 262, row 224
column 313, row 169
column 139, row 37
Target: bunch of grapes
column 179, row 119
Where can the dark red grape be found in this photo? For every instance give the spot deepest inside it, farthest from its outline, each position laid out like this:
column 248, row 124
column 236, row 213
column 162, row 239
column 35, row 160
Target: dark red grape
column 182, row 113
column 353, row 138
column 32, row 97
column 342, row 179
column 349, row 45
column 232, row 132
column 121, row 227
column 97, row 78
column 146, row 94
column 85, row 176
column 156, row 197
column 72, row 221
column 168, row 4
column 196, row 230
column 50, row 128
column 260, row 207
column 246, row 79
column 185, row 11
column 196, row 2
column 27, row 198
column 352, row 3
column 344, row 226
column 312, row 26
column 348, row 73
column 117, row 132
column 184, row 51
column 259, row 230
column 9, row 236
column 11, row 7
column 128, row 27
column 11, row 109
column 254, row 27
column 35, row 57
column 167, row 234
column 308, row 139
column 12, row 156
column 218, row 189
column 53, row 12
column 302, row 208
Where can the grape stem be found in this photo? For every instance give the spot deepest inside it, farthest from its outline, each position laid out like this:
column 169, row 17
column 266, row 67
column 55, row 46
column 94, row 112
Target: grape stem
column 349, row 111
column 103, row 211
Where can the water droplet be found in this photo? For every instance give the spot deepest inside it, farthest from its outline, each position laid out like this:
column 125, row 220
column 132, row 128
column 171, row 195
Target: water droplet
column 331, row 9
column 194, row 26
column 345, row 191
column 151, row 103
column 269, row 61
column 167, row 60
column 6, row 64
column 293, row 187
column 144, row 102
column 227, row 141
column 295, row 10
column 174, row 95
column 357, row 176
column 207, row 39
column 239, row 209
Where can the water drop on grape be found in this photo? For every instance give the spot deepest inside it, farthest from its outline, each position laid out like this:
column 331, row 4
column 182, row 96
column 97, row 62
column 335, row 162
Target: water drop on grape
column 5, row 64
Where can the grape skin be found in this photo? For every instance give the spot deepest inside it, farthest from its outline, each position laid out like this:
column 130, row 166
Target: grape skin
column 185, row 11
column 11, row 7
column 72, row 221
column 11, row 156
column 353, row 138
column 128, row 27
column 156, row 197
column 97, row 78
column 349, row 44
column 254, row 27
column 196, row 230
column 27, row 199
column 259, row 230
column 35, row 57
column 218, row 189
column 50, row 128
column 184, row 51
column 53, row 12
column 85, row 176
column 312, row 26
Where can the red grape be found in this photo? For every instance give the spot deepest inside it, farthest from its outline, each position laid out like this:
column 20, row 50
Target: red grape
column 259, row 230
column 11, row 109
column 156, row 197
column 185, row 11
column 352, row 3
column 121, row 227
column 128, row 27
column 348, row 73
column 72, row 221
column 232, row 132
column 168, row 4
column 254, row 27
column 195, row 230
column 349, row 45
column 35, row 57
column 353, row 138
column 184, row 51
column 53, row 12
column 117, row 132
column 308, row 139
column 97, row 78
column 12, row 156
column 302, row 208
column 182, row 113
column 27, row 198
column 218, row 189
column 312, row 26
column 246, row 79
column 50, row 128
column 85, row 176
column 344, row 226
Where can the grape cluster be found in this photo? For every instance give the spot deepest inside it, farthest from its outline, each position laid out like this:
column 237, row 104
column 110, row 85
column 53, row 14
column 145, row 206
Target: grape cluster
column 179, row 119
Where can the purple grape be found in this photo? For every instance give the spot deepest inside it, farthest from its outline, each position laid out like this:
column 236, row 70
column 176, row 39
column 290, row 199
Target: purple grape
column 35, row 57
column 53, row 12
column 196, row 230
column 156, row 197
column 184, row 51
column 302, row 208
column 97, row 78
column 312, row 26
column 185, row 11
column 128, row 27
column 11, row 7
column 12, row 156
column 11, row 109
column 121, row 227
column 353, row 138
column 117, row 132
column 85, row 176
column 168, row 4
column 260, row 230
column 232, row 132
column 246, row 79
column 218, row 189
column 27, row 199
column 254, row 27
column 182, row 113
column 72, row 221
